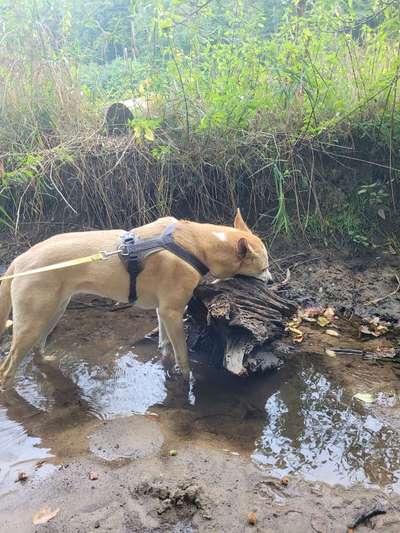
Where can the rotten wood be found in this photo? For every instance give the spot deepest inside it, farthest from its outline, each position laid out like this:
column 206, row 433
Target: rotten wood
column 236, row 320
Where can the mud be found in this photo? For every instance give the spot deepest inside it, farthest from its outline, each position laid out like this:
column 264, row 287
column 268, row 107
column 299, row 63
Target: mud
column 102, row 402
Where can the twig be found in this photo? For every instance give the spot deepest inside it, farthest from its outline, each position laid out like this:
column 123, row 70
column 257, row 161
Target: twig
column 283, row 282
column 295, row 265
column 377, row 300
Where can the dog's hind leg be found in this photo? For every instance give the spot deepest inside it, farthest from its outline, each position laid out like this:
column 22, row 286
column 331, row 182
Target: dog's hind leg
column 31, row 320
column 41, row 345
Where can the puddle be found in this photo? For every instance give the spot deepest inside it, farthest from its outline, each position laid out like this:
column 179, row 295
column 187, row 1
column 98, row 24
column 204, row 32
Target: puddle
column 300, row 420
column 19, row 452
column 315, row 429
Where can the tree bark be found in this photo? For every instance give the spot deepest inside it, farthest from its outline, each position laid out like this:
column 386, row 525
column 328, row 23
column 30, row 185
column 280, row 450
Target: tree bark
column 236, row 320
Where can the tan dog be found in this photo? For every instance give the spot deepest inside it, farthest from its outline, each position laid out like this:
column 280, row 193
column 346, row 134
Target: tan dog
column 166, row 282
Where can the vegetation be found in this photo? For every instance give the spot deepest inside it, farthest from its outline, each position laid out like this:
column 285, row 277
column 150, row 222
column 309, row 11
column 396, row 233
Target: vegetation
column 289, row 109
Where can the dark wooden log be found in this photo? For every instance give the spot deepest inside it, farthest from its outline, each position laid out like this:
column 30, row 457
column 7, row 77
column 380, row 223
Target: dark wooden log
column 117, row 119
column 235, row 320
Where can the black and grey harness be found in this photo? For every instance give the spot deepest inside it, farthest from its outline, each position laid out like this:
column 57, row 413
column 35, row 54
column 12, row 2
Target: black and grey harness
column 133, row 250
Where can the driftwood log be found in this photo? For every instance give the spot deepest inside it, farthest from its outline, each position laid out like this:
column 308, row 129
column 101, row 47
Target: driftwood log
column 235, row 320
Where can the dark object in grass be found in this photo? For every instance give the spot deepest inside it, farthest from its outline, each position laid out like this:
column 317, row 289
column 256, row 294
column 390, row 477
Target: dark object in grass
column 236, row 319
column 117, row 119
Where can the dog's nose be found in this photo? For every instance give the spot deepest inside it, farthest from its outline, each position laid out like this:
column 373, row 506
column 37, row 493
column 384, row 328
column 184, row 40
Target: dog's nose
column 268, row 277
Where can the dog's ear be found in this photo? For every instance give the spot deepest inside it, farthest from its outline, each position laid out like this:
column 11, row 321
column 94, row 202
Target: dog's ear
column 242, row 248
column 239, row 223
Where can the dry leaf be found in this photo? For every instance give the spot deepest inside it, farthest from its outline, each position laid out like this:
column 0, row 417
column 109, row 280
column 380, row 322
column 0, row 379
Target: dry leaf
column 93, row 476
column 329, row 313
column 322, row 321
column 296, row 331
column 313, row 312
column 332, row 332
column 365, row 330
column 22, row 476
column 252, row 518
column 308, row 319
column 365, row 397
column 298, row 338
column 285, row 481
column 44, row 515
column 375, row 328
column 331, row 353
column 150, row 414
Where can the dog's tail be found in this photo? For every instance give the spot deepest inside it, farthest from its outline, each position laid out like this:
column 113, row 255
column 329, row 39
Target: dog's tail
column 5, row 299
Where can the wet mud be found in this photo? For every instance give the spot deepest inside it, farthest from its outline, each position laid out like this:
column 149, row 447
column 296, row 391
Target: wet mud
column 294, row 446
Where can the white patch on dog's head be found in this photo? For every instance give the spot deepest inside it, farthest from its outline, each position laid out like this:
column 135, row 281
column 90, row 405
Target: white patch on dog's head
column 220, row 235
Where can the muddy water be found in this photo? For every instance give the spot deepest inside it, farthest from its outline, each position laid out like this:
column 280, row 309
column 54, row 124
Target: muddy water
column 300, row 420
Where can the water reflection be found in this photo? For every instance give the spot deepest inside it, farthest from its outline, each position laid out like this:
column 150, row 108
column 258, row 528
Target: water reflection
column 123, row 387
column 295, row 420
column 19, row 452
column 313, row 429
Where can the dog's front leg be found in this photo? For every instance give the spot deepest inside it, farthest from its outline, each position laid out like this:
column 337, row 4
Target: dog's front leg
column 164, row 344
column 173, row 323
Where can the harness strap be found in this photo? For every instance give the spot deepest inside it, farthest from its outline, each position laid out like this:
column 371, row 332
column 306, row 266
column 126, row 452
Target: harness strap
column 132, row 250
column 171, row 245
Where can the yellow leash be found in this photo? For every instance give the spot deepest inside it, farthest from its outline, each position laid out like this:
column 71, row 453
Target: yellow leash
column 100, row 256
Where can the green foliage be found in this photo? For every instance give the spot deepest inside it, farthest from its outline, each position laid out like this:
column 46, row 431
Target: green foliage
column 247, row 86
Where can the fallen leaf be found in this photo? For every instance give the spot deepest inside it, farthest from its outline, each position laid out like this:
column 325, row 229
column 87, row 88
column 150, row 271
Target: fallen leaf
column 322, row 321
column 296, row 331
column 285, row 481
column 44, row 515
column 294, row 323
column 298, row 338
column 332, row 332
column 150, row 414
column 365, row 397
column 93, row 476
column 313, row 312
column 309, row 319
column 173, row 453
column 365, row 330
column 252, row 518
column 329, row 313
column 374, row 328
column 381, row 213
column 331, row 353
column 22, row 476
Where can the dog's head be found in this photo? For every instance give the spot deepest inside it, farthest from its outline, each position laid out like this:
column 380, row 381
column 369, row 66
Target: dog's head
column 251, row 252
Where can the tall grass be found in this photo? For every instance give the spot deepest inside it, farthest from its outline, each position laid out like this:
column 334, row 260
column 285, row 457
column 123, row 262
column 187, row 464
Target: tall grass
column 290, row 126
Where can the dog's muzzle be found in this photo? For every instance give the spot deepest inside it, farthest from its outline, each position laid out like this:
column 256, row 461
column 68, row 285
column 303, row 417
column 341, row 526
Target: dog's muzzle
column 265, row 276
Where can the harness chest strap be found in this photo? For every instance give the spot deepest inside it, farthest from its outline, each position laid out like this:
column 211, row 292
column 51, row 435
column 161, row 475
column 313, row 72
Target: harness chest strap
column 133, row 250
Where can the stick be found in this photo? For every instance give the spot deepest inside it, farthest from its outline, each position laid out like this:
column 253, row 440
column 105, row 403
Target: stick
column 377, row 300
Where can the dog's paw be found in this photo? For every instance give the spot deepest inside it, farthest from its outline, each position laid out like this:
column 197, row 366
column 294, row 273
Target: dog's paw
column 182, row 374
column 166, row 350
